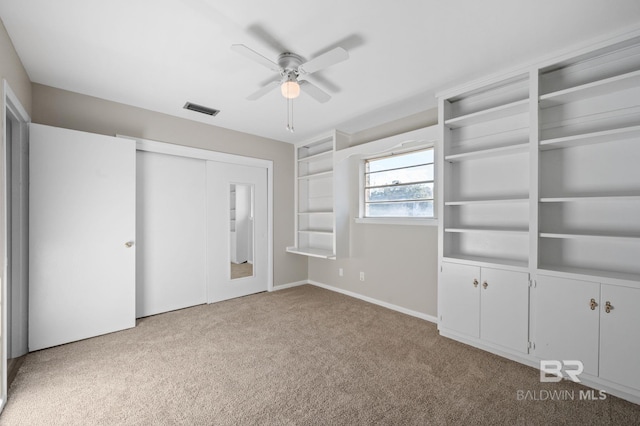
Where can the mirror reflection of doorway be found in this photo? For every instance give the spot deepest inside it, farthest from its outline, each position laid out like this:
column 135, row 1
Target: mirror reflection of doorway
column 242, row 230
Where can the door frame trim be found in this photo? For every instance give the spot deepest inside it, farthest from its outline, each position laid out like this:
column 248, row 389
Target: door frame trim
column 205, row 154
column 10, row 103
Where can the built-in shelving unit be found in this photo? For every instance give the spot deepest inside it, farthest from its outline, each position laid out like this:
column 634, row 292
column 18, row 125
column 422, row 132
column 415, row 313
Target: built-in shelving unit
column 540, row 175
column 589, row 201
column 485, row 182
column 317, row 224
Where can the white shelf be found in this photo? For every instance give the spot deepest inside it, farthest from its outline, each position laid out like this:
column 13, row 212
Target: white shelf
column 317, row 157
column 586, row 273
column 312, row 252
column 590, row 138
column 487, row 201
column 596, row 88
column 319, row 175
column 491, row 152
column 315, row 232
column 494, row 113
column 510, row 264
column 490, row 230
column 591, row 237
column 323, row 212
column 594, row 198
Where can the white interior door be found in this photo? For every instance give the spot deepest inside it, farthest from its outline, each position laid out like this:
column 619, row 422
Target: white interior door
column 171, row 254
column 223, row 225
column 81, row 232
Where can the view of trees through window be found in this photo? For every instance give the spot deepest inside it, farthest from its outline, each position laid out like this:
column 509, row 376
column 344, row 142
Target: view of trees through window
column 400, row 185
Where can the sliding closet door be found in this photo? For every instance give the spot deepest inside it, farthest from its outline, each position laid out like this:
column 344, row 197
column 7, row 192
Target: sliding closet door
column 237, row 230
column 171, row 256
column 81, row 235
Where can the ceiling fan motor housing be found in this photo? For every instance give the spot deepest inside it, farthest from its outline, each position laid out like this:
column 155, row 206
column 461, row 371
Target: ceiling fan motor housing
column 289, row 63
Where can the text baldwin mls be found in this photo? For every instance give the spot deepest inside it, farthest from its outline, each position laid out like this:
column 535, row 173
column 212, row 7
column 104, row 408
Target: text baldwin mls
column 560, row 395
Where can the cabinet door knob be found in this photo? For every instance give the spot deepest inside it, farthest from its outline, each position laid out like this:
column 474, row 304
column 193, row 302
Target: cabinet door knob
column 593, row 304
column 607, row 307
column 475, row 283
column 128, row 244
column 485, row 285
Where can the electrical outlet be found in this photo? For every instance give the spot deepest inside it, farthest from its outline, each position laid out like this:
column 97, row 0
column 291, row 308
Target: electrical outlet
column 361, row 276
column 341, row 272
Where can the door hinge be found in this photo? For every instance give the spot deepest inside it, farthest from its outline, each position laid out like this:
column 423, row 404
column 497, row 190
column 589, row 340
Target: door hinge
column 531, row 345
column 532, row 283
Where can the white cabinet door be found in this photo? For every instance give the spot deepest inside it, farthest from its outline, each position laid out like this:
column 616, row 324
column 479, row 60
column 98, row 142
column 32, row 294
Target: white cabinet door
column 81, row 230
column 566, row 327
column 620, row 335
column 459, row 298
column 504, row 307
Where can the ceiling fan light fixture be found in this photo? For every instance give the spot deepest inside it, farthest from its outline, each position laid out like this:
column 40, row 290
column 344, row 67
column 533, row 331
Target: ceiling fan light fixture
column 290, row 89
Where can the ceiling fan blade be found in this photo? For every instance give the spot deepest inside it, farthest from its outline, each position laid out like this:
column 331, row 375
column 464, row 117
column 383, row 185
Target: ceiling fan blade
column 325, row 60
column 314, row 91
column 255, row 56
column 263, row 91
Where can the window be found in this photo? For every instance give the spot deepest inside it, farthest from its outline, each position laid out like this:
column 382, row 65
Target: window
column 399, row 185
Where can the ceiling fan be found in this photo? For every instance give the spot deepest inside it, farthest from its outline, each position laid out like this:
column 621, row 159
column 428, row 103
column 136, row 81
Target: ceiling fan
column 293, row 70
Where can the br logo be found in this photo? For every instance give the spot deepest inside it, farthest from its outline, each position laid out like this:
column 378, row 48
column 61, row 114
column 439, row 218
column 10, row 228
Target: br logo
column 552, row 370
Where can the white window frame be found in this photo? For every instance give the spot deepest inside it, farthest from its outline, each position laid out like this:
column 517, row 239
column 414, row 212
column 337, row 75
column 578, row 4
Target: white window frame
column 395, row 220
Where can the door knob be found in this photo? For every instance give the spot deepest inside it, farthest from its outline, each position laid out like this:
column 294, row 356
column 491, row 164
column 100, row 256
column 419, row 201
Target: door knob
column 593, row 304
column 475, row 283
column 607, row 307
column 128, row 244
column 485, row 285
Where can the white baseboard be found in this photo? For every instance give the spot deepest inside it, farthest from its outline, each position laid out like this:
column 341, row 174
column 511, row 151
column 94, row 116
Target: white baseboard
column 387, row 305
column 289, row 285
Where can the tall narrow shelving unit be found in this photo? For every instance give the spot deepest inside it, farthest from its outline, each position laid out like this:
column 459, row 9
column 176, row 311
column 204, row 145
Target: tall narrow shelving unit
column 485, row 164
column 589, row 155
column 318, row 226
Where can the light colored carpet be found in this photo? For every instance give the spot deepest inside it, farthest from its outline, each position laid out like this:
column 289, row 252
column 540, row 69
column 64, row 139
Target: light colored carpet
column 241, row 270
column 298, row 356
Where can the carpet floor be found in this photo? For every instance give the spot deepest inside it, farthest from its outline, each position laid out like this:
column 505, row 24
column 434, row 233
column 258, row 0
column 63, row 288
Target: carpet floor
column 303, row 356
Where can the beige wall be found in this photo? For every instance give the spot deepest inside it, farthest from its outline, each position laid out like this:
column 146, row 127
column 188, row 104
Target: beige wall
column 60, row 108
column 399, row 261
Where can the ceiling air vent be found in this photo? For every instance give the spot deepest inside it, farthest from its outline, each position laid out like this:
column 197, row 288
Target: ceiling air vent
column 201, row 109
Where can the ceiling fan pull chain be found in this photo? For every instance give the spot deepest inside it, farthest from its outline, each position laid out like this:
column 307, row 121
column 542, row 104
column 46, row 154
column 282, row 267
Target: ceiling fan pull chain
column 291, row 105
column 290, row 115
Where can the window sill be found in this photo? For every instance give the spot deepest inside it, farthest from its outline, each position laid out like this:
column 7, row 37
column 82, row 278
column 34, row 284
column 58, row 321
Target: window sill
column 396, row 221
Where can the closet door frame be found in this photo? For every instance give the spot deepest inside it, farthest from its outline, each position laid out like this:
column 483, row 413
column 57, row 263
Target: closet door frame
column 203, row 154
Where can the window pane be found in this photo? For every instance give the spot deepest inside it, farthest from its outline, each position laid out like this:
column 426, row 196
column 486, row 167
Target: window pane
column 400, row 160
column 405, row 209
column 392, row 177
column 400, row 192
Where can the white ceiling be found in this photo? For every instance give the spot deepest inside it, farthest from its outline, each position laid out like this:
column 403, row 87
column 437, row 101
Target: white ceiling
column 158, row 54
